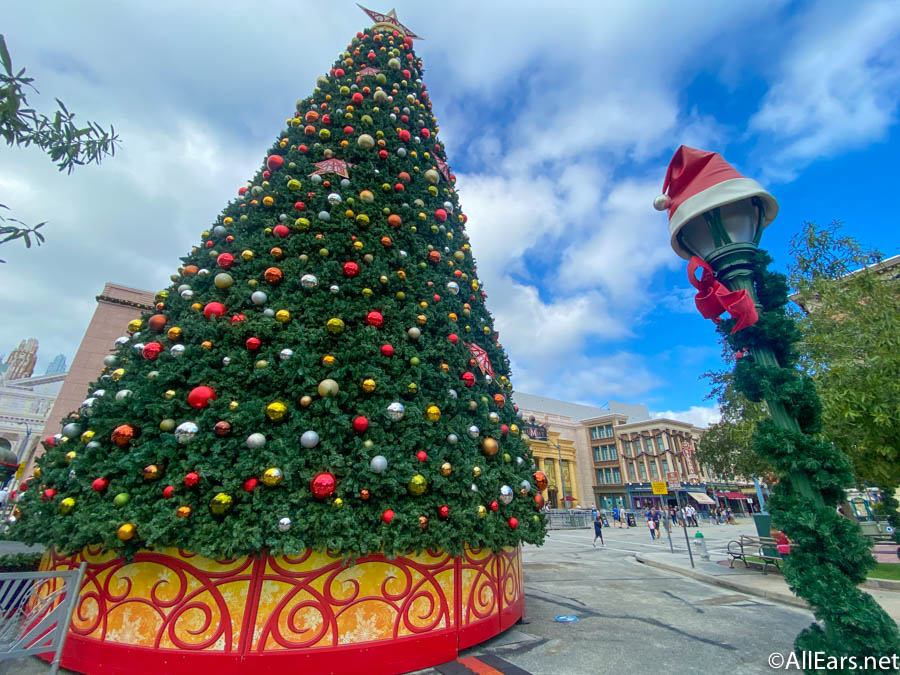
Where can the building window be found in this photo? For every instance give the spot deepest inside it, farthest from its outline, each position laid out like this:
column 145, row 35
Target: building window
column 659, row 443
column 599, row 476
column 609, row 431
column 665, row 466
column 603, row 454
column 617, row 476
column 596, row 450
column 643, row 471
column 631, row 475
column 653, row 473
column 612, row 452
column 648, row 445
column 626, row 448
column 608, row 475
column 594, row 435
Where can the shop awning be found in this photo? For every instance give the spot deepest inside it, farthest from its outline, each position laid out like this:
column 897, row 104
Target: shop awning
column 735, row 495
column 701, row 498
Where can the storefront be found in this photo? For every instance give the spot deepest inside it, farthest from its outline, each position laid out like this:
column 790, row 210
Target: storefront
column 604, row 498
column 733, row 500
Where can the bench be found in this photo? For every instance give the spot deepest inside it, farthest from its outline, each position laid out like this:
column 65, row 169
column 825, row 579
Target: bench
column 764, row 548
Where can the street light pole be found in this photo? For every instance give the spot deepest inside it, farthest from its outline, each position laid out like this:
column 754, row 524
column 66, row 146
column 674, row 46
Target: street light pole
column 562, row 475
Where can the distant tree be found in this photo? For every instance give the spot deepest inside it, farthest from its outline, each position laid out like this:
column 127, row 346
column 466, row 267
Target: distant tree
column 64, row 142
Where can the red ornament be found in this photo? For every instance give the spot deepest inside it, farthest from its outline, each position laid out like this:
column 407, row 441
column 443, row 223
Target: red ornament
column 281, row 231
column 122, row 434
column 504, row 429
column 348, row 130
column 222, row 428
column 387, row 516
column 444, row 512
column 421, row 455
column 242, row 191
column 302, row 149
column 299, row 206
column 238, row 318
column 322, row 485
column 192, row 479
column 440, row 215
column 275, row 162
column 50, row 442
column 267, row 175
column 357, row 98
column 387, row 350
column 434, row 257
column 250, row 484
column 99, row 484
column 169, row 491
column 513, row 523
column 404, row 135
column 375, row 319
column 360, row 424
column 253, row 343
column 425, row 133
column 213, row 309
column 383, row 154
column 494, row 505
column 399, row 187
column 468, row 378
column 436, row 297
column 225, row 261
column 339, row 72
column 454, row 338
column 200, row 397
column 151, row 351
column 351, row 269
column 48, row 494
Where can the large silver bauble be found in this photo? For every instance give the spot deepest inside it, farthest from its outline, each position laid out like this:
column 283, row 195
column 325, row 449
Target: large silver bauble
column 414, row 333
column 309, row 439
column 494, row 417
column 177, row 350
column 345, row 183
column 309, row 281
column 378, row 464
column 473, row 431
column 286, row 354
column 520, row 461
column 109, row 360
column 71, row 430
column 452, row 393
column 325, row 216
column 316, row 178
column 269, row 312
column 506, row 494
column 99, row 393
column 284, row 524
column 335, row 289
column 122, row 341
column 452, row 439
column 93, row 445
column 334, row 199
column 219, row 231
column 187, row 295
column 258, row 298
column 87, row 406
column 184, row 287
column 122, row 395
column 525, row 485
column 396, row 411
column 255, row 441
column 138, row 347
column 226, row 360
column 185, row 432
column 453, row 287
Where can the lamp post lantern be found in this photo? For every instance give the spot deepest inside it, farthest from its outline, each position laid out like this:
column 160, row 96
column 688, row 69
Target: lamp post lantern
column 716, row 219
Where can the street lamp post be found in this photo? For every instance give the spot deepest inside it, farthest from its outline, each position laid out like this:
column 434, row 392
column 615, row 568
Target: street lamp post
column 562, row 474
column 716, row 219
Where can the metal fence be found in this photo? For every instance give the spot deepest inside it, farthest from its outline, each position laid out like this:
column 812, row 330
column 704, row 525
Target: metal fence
column 35, row 611
column 568, row 520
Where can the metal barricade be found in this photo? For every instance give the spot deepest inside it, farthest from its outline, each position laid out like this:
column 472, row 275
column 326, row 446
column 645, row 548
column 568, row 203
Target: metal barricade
column 35, row 611
column 568, row 520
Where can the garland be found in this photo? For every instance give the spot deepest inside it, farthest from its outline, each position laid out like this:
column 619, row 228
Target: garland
column 829, row 557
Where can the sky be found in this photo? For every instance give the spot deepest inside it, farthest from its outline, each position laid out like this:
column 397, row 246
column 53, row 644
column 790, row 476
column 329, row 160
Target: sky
column 559, row 120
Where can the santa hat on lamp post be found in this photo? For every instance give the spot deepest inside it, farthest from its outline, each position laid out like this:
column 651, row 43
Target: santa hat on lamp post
column 698, row 181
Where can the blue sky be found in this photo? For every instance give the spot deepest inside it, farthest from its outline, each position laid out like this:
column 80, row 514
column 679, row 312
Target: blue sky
column 559, row 120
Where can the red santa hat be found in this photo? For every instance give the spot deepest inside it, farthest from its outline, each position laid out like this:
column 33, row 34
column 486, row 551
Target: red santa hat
column 698, row 181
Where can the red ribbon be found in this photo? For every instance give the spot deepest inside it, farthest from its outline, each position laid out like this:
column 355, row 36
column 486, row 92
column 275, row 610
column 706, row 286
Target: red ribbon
column 713, row 297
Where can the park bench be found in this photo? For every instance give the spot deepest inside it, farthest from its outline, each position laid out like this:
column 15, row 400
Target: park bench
column 764, row 548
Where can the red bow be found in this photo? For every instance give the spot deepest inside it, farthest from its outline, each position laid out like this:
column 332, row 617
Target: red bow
column 713, row 298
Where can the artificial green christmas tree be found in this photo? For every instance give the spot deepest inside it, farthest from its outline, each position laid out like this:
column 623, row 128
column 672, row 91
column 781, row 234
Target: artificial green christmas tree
column 322, row 372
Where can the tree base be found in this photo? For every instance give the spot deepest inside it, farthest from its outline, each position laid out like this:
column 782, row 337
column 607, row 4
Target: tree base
column 173, row 612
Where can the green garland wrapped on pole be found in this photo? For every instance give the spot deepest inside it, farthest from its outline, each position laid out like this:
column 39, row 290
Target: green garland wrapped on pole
column 716, row 218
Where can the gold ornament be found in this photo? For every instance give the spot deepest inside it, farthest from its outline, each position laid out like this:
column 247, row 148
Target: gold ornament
column 412, row 387
column 276, row 411
column 476, row 471
column 272, row 476
column 66, row 505
column 169, row 395
column 174, row 333
column 282, row 316
column 233, row 406
column 183, row 511
column 432, row 413
column 206, row 344
column 117, row 374
column 368, row 385
column 37, row 472
column 417, row 485
column 167, row 425
column 126, row 531
column 328, row 360
column 514, row 428
column 489, row 447
column 220, row 503
column 482, row 511
column 151, row 472
column 261, row 364
column 423, row 522
column 87, row 436
column 337, row 503
column 335, row 326
column 247, row 255
column 306, row 401
column 134, row 325
column 328, row 388
column 70, row 456
column 446, row 469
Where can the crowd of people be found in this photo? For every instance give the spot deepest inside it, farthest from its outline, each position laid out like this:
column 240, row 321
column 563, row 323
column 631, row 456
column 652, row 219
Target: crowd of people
column 682, row 516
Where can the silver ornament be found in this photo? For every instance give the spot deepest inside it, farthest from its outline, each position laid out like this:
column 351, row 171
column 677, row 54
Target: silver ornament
column 202, row 272
column 255, row 441
column 378, row 464
column 473, row 431
column 488, row 379
column 506, row 494
column 183, row 288
column 258, row 298
column 122, row 341
column 226, row 360
column 334, row 289
column 403, row 253
column 473, row 487
column 87, row 406
column 99, row 393
column 309, row 281
column 414, row 333
column 71, row 430
column 316, row 179
column 345, row 183
column 269, row 312
column 219, row 231
column 525, row 485
column 494, row 417
column 110, row 360
column 122, row 395
column 520, row 461
column 452, row 393
column 284, row 524
column 334, row 199
column 309, row 439
column 452, row 439
column 139, row 347
column 185, row 432
column 153, row 374
column 401, row 152
column 453, row 287
column 324, row 215
column 396, row 411
column 177, row 350
column 282, row 218
column 93, row 445
column 286, row 354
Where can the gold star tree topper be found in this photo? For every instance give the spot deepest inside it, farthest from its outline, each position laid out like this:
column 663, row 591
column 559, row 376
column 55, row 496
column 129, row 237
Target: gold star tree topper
column 388, row 22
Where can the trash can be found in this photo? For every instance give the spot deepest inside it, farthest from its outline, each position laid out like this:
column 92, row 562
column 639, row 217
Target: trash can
column 629, row 520
column 700, row 546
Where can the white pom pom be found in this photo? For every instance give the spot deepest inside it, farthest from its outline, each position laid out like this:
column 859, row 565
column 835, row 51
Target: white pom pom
column 661, row 203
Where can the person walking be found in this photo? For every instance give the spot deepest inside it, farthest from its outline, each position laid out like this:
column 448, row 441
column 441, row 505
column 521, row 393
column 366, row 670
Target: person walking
column 598, row 531
column 651, row 525
column 615, row 514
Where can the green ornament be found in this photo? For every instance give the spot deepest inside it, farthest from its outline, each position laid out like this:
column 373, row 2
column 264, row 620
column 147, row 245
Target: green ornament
column 121, row 499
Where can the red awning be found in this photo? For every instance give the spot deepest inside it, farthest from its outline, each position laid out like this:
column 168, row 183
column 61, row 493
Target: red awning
column 736, row 495
column 719, row 494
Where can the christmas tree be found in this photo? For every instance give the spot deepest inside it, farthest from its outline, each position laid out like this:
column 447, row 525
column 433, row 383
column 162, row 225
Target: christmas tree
column 322, row 372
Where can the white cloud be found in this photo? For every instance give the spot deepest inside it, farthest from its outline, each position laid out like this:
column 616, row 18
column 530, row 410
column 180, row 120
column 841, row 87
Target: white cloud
column 698, row 415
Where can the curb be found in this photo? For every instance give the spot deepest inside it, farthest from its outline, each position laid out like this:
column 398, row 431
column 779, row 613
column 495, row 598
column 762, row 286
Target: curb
column 784, row 598
column 881, row 585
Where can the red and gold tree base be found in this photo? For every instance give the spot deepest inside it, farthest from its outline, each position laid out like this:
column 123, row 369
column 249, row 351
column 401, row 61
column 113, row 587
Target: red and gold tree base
column 174, row 612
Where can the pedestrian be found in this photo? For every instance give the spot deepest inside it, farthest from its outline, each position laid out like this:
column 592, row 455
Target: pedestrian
column 615, row 514
column 593, row 512
column 657, row 515
column 598, row 531
column 693, row 515
column 651, row 525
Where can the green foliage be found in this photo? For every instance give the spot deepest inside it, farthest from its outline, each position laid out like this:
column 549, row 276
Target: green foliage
column 400, row 278
column 20, row 562
column 829, row 557
column 59, row 137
